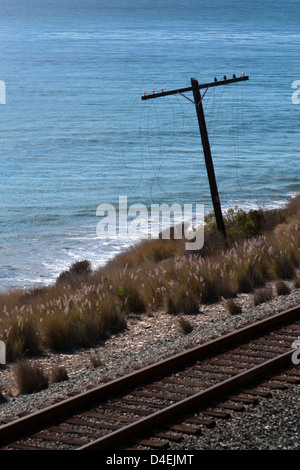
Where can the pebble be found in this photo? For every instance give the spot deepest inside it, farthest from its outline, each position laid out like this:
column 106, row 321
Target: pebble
column 274, row 423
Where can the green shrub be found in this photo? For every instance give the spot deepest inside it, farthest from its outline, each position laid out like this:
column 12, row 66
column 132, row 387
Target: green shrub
column 242, row 225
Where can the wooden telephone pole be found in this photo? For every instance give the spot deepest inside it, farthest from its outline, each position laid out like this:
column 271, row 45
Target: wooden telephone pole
column 195, row 88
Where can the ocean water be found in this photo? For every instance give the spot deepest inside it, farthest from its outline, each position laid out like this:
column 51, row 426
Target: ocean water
column 75, row 134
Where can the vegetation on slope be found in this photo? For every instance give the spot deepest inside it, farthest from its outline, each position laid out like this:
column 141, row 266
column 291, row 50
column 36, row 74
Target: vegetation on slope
column 84, row 307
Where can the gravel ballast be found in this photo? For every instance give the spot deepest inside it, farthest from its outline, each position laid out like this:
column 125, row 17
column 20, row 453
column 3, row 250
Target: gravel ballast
column 273, row 424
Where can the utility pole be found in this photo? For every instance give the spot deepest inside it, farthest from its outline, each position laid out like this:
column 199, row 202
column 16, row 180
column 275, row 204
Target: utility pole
column 195, row 88
column 207, row 156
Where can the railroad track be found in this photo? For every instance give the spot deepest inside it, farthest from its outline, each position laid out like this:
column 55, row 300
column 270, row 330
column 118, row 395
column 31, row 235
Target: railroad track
column 180, row 395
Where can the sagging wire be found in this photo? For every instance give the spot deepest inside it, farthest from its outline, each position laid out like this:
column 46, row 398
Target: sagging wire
column 168, row 150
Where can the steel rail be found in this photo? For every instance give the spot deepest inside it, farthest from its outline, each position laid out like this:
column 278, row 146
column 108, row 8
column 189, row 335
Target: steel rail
column 196, row 401
column 28, row 424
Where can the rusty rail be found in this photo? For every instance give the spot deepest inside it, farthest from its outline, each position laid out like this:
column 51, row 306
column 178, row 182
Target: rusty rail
column 198, row 400
column 42, row 418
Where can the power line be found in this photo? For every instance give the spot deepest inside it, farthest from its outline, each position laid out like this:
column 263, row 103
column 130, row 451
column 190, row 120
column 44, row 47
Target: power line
column 197, row 101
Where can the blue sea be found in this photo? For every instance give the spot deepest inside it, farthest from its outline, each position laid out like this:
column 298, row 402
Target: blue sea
column 75, row 134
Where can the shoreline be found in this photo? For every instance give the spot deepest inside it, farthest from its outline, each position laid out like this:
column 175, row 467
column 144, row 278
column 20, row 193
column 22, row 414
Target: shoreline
column 125, row 245
column 85, row 306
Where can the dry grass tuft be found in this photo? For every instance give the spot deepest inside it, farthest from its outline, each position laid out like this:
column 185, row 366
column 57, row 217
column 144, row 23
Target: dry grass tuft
column 78, row 272
column 282, row 288
column 185, row 326
column 169, row 305
column 30, row 378
column 296, row 282
column 95, row 361
column 232, row 307
column 262, row 295
column 21, row 337
column 58, row 374
column 148, row 251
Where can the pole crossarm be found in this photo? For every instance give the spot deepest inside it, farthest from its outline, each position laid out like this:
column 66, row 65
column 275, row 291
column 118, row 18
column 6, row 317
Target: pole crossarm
column 216, row 82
